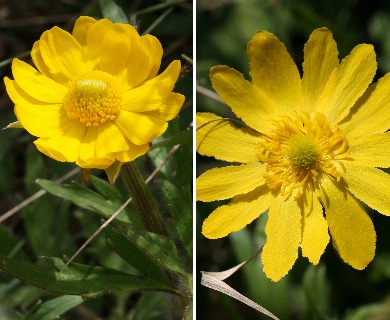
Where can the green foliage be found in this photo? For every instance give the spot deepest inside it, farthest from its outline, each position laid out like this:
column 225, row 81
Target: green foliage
column 125, row 272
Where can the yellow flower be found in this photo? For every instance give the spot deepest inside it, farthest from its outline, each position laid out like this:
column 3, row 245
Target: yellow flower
column 309, row 149
column 95, row 98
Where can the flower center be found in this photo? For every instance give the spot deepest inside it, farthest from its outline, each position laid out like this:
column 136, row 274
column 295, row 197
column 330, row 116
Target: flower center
column 94, row 98
column 301, row 147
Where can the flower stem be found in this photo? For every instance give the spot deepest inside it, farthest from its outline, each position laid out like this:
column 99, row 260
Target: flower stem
column 143, row 199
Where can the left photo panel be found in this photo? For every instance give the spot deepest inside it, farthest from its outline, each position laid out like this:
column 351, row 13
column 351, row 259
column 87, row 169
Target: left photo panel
column 96, row 160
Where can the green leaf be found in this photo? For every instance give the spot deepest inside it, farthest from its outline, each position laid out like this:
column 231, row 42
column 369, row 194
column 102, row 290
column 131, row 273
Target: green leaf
column 128, row 249
column 112, row 11
column 179, row 204
column 77, row 279
column 183, row 137
column 53, row 308
column 157, row 250
column 86, row 198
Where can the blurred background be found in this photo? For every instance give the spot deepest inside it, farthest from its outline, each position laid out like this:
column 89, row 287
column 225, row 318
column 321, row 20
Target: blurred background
column 332, row 289
column 51, row 226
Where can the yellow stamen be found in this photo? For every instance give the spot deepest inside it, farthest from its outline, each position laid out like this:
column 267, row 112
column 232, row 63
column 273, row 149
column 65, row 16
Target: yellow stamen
column 301, row 148
column 93, row 99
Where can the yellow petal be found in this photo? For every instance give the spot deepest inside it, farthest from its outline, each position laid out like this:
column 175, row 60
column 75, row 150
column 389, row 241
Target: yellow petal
column 155, row 50
column 109, row 140
column 283, row 230
column 88, row 144
column 137, row 127
column 170, row 108
column 36, row 84
column 227, row 182
column 321, row 58
column 372, row 112
column 95, row 35
column 237, row 214
column 347, row 83
column 65, row 146
column 39, row 63
column 40, row 120
column 352, row 231
column 115, row 49
column 81, row 27
column 315, row 235
column 153, row 93
column 63, row 55
column 370, row 185
column 132, row 153
column 224, row 141
column 274, row 72
column 95, row 163
column 246, row 100
column 140, row 62
column 371, row 150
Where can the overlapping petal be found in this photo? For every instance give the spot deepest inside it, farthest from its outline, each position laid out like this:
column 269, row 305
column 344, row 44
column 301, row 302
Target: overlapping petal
column 320, row 59
column 347, row 83
column 372, row 112
column 315, row 236
column 155, row 50
column 227, row 182
column 109, row 140
column 81, row 28
column 242, row 142
column 36, row 84
column 274, row 72
column 170, row 108
column 246, row 100
column 237, row 214
column 94, row 38
column 283, row 230
column 352, row 231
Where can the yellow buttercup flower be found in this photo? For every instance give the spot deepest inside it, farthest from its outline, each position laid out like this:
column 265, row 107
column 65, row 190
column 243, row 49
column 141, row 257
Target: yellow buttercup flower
column 309, row 148
column 96, row 97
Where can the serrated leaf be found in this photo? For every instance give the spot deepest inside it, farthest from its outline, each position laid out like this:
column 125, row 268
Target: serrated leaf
column 77, row 279
column 112, row 11
column 85, row 198
column 54, row 308
column 128, row 249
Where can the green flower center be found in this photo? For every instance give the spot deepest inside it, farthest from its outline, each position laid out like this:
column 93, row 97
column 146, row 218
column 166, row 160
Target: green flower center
column 302, row 146
column 93, row 99
column 301, row 152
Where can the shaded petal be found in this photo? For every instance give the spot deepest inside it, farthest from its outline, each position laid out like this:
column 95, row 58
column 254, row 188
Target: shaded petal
column 321, row 58
column 246, row 100
column 237, row 214
column 153, row 93
column 138, row 128
column 224, row 141
column 40, row 120
column 115, row 49
column 371, row 150
column 88, row 144
column 40, row 64
column 283, row 230
column 63, row 55
column 36, row 84
column 155, row 51
column 109, row 140
column 370, row 185
column 94, row 38
column 134, row 151
column 315, row 235
column 348, row 82
column 227, row 182
column 140, row 62
column 170, row 108
column 274, row 72
column 352, row 231
column 65, row 146
column 81, row 27
column 372, row 111
column 95, row 163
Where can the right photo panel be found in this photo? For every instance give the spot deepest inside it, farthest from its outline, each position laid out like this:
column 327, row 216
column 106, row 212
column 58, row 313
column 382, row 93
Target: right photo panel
column 292, row 158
